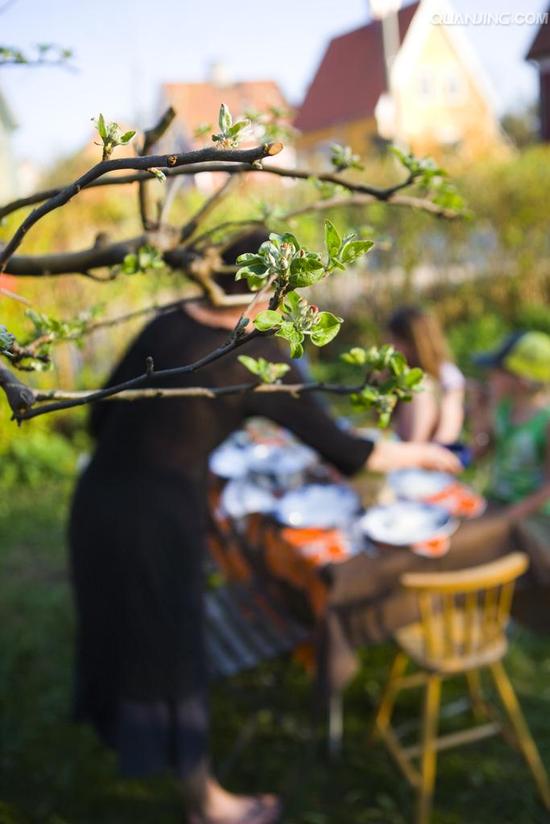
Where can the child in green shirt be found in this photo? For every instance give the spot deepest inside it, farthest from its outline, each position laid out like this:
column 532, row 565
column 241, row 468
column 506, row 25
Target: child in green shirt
column 516, row 421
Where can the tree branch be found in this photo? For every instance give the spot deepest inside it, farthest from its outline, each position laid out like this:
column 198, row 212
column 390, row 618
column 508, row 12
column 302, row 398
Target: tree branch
column 66, row 400
column 148, row 162
column 21, row 397
column 206, row 391
column 191, row 226
column 150, row 138
column 230, row 168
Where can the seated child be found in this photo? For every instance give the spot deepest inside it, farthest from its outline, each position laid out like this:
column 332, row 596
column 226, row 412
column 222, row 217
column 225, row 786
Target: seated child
column 515, row 420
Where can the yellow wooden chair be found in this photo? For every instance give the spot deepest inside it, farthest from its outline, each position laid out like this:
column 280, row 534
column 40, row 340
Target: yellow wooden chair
column 461, row 631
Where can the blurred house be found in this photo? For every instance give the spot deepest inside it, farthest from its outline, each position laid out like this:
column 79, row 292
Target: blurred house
column 8, row 166
column 197, row 106
column 406, row 77
column 539, row 53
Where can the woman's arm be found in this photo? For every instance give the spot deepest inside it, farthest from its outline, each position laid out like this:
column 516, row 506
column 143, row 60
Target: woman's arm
column 390, row 455
column 310, row 422
column 451, row 416
column 417, row 419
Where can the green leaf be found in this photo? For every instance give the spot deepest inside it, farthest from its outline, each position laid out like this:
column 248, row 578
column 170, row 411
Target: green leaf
column 158, row 173
column 332, row 239
column 413, row 377
column 238, row 127
column 398, row 363
column 306, row 276
column 6, row 339
column 254, row 281
column 225, row 120
column 130, row 264
column 293, row 304
column 268, row 319
column 267, row 371
column 250, row 363
column 294, row 336
column 277, row 370
column 250, row 259
column 127, row 136
column 326, row 328
column 101, row 128
column 354, row 249
column 356, row 356
column 289, row 238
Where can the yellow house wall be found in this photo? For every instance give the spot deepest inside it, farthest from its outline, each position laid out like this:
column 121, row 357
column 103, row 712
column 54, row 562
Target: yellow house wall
column 427, row 122
column 357, row 133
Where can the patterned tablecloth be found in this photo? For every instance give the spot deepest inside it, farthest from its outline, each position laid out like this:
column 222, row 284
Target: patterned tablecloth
column 353, row 597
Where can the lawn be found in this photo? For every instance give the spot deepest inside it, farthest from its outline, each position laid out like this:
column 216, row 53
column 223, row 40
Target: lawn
column 53, row 772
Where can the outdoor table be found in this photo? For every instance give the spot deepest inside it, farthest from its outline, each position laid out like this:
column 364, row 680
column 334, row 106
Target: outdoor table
column 354, row 600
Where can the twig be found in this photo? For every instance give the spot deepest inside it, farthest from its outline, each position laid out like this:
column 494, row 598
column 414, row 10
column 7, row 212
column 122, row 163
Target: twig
column 65, row 400
column 233, row 343
column 14, row 296
column 208, row 206
column 150, row 138
column 19, row 353
column 148, row 162
column 230, row 168
column 208, row 391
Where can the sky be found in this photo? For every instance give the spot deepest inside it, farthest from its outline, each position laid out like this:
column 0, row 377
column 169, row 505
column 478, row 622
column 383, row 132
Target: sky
column 124, row 49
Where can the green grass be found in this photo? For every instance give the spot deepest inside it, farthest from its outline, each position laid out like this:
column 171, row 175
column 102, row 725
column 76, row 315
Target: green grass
column 53, row 772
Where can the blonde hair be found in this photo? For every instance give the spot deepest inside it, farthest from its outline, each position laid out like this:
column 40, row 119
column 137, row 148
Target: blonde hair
column 424, row 336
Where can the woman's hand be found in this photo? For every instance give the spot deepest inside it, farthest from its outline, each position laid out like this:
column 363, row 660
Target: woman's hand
column 389, row 455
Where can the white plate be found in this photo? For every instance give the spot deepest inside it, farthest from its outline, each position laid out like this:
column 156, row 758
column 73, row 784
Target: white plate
column 318, row 506
column 418, row 484
column 271, row 459
column 407, row 522
column 240, row 498
column 229, row 461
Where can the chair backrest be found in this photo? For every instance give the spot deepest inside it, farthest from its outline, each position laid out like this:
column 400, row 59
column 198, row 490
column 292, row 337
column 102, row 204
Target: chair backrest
column 463, row 612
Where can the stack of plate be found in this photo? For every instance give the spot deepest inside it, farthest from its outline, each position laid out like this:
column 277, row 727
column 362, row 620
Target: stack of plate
column 407, row 522
column 321, row 506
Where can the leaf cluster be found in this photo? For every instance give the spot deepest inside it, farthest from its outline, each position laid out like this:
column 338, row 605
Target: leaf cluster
column 297, row 320
column 432, row 179
column 272, row 125
column 45, row 53
column 342, row 158
column 6, row 341
column 282, row 257
column 146, row 259
column 230, row 134
column 111, row 135
column 389, row 377
column 266, row 371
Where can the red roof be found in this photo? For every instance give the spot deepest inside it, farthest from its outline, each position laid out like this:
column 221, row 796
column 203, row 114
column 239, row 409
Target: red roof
column 540, row 47
column 199, row 103
column 351, row 76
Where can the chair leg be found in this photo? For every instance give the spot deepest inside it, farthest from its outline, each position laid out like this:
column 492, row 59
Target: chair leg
column 385, row 707
column 473, row 677
column 335, row 724
column 523, row 736
column 429, row 753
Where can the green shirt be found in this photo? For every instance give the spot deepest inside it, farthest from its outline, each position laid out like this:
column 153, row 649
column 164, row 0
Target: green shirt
column 518, row 467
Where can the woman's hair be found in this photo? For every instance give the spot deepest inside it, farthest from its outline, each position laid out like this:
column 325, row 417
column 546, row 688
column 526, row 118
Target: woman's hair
column 424, row 336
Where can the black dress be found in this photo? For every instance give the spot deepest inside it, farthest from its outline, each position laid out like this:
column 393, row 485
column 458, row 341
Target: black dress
column 137, row 533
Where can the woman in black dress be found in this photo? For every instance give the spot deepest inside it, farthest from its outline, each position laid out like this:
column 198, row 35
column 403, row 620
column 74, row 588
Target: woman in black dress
column 137, row 535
